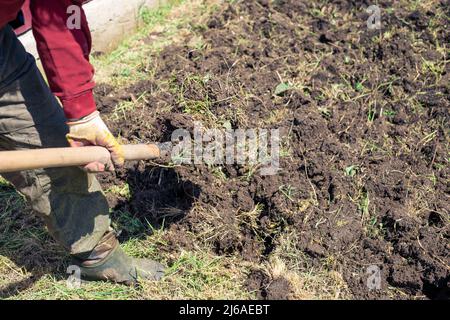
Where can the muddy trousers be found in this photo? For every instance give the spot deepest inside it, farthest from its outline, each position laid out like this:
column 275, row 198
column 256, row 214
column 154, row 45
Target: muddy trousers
column 70, row 201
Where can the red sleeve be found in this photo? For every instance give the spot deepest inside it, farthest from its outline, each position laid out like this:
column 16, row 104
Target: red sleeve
column 64, row 54
column 9, row 9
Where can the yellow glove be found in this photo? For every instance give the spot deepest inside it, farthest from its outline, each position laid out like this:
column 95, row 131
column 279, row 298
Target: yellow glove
column 92, row 131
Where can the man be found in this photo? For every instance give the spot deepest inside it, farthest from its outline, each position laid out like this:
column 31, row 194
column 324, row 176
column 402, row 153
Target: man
column 70, row 200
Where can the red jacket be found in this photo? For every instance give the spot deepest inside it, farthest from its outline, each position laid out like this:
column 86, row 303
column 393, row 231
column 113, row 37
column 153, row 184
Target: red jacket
column 64, row 52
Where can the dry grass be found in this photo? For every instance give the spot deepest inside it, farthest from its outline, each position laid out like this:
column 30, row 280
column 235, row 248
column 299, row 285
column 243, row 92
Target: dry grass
column 307, row 282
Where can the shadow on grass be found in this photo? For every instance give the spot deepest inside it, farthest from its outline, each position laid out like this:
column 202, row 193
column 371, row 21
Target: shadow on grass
column 24, row 241
column 156, row 199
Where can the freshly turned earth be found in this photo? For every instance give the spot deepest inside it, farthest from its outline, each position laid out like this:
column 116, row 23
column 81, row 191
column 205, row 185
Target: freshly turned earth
column 366, row 128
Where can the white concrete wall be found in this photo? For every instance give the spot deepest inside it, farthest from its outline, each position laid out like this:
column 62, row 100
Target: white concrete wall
column 109, row 21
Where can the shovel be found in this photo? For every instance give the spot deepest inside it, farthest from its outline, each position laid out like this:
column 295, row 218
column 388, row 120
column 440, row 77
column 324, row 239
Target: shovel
column 12, row 161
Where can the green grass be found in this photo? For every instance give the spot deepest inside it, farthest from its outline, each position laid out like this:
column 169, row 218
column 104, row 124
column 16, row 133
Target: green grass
column 122, row 191
column 130, row 61
column 192, row 275
column 32, row 266
column 133, row 59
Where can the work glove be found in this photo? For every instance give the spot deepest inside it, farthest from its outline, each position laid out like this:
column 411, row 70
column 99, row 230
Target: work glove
column 92, row 131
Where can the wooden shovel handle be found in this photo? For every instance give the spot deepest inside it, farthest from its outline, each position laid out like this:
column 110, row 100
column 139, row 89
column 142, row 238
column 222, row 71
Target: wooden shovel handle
column 12, row 161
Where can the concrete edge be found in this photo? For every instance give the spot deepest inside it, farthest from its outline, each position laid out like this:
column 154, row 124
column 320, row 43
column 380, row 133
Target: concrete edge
column 110, row 22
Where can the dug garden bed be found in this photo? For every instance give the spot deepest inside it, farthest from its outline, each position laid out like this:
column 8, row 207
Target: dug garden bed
column 363, row 116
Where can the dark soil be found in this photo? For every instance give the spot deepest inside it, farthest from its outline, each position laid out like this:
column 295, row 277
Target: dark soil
column 366, row 126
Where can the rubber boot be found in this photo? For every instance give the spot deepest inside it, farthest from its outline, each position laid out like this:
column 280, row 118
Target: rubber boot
column 116, row 266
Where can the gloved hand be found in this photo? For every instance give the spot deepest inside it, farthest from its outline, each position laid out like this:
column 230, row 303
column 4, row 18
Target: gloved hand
column 92, row 131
